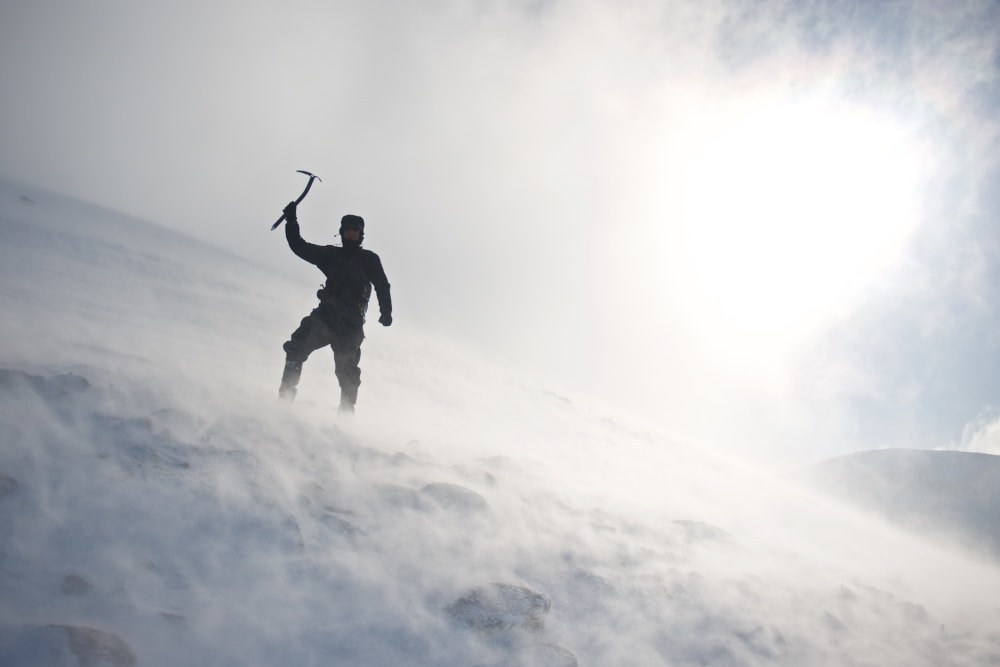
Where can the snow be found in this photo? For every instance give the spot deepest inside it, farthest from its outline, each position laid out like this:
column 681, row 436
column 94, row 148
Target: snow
column 158, row 506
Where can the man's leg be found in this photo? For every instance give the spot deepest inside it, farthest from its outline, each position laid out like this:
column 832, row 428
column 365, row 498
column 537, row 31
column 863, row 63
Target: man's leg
column 311, row 335
column 346, row 357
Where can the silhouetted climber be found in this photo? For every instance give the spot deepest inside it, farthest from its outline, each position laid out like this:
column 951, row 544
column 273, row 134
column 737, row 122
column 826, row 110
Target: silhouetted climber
column 338, row 320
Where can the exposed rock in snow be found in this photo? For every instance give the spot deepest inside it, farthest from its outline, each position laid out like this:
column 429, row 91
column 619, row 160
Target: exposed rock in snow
column 499, row 607
column 511, row 619
column 696, row 532
column 7, row 485
column 63, row 646
column 74, row 584
column 48, row 387
column 455, row 497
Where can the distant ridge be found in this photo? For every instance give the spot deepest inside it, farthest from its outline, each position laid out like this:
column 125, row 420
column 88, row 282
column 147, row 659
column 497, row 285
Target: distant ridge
column 951, row 494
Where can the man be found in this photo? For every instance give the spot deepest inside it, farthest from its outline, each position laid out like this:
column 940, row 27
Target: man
column 338, row 320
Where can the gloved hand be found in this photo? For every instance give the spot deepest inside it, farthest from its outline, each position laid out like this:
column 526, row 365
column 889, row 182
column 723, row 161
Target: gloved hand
column 290, row 212
column 385, row 320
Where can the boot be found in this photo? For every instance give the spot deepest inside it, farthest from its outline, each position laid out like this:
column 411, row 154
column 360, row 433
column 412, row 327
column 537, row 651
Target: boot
column 348, row 397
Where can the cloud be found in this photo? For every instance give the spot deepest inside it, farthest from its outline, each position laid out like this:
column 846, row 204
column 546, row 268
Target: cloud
column 981, row 434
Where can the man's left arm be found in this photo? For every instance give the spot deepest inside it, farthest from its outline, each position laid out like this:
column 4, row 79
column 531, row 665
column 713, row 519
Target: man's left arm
column 381, row 284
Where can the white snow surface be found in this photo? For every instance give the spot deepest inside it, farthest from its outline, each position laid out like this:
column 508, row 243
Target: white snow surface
column 159, row 506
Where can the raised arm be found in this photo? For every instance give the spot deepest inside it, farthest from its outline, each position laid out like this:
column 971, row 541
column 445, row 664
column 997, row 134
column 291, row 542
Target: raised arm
column 307, row 251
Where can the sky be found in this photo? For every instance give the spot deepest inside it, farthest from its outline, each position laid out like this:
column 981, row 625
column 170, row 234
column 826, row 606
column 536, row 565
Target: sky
column 766, row 226
column 160, row 506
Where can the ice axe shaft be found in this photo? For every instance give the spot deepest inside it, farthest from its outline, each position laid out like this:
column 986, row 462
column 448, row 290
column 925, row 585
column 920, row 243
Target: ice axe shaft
column 312, row 177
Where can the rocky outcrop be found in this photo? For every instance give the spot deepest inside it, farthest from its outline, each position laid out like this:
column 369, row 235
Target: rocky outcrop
column 499, row 607
column 512, row 618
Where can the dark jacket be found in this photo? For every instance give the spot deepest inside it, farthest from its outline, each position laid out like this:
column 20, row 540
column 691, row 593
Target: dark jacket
column 350, row 274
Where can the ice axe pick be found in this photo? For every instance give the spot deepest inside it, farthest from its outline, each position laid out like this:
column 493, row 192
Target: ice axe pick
column 312, row 177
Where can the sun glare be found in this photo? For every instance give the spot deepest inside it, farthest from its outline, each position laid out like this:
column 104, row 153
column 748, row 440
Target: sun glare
column 792, row 210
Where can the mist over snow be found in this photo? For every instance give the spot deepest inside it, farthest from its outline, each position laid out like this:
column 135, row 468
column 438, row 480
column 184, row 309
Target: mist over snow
column 780, row 211
column 158, row 506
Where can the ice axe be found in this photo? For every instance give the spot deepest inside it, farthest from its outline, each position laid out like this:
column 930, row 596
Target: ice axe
column 312, row 177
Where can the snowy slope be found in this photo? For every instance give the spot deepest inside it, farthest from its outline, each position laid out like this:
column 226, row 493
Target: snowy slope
column 159, row 507
column 953, row 494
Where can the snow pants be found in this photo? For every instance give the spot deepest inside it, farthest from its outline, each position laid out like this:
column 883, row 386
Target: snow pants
column 318, row 329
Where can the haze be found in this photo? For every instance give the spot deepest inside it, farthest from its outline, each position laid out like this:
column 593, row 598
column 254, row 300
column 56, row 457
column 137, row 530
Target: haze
column 766, row 227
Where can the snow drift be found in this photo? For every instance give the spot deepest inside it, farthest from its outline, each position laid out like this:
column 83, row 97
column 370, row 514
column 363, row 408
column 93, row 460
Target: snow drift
column 159, row 507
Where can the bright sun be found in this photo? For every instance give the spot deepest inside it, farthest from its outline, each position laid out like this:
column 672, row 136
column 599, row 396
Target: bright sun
column 791, row 210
